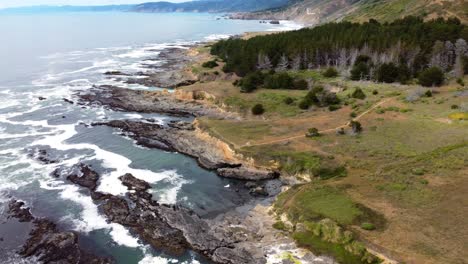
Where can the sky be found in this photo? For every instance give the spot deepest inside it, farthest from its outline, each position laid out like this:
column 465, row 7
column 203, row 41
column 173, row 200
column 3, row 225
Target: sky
column 16, row 3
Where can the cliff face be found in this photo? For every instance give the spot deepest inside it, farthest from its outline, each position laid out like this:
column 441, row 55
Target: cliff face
column 313, row 12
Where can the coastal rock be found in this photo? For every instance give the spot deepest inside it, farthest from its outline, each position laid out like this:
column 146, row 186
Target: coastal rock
column 17, row 210
column 183, row 138
column 49, row 244
column 173, row 61
column 133, row 183
column 170, row 228
column 122, row 99
column 85, row 177
column 243, row 173
column 43, row 156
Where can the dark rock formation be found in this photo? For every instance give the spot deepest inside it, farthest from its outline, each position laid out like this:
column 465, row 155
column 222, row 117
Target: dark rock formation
column 173, row 62
column 171, row 228
column 43, row 156
column 85, row 177
column 49, row 244
column 181, row 137
column 133, row 183
column 122, row 99
column 17, row 210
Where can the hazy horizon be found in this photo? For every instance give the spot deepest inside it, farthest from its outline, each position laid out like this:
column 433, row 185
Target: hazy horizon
column 30, row 3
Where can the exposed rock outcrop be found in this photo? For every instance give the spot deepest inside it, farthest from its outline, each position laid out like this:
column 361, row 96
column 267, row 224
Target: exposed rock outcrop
column 50, row 244
column 183, row 138
column 173, row 228
column 122, row 99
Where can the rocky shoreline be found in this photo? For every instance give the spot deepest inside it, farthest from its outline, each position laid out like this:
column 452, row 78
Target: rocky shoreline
column 48, row 243
column 173, row 60
column 183, row 137
column 173, row 229
column 241, row 236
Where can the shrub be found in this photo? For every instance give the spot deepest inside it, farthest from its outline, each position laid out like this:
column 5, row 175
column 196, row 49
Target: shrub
column 431, row 77
column 251, row 81
column 312, row 132
column 279, row 225
column 210, row 64
column 332, row 108
column 358, row 94
column 356, row 127
column 330, row 72
column 454, row 107
column 340, row 131
column 387, row 73
column 304, row 104
column 368, row 226
column 375, row 92
column 258, row 109
column 353, row 114
column 279, row 81
column 360, row 71
column 460, row 82
column 300, row 84
column 428, row 93
column 288, row 100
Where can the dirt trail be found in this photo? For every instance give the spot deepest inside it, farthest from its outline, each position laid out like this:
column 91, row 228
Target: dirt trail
column 322, row 131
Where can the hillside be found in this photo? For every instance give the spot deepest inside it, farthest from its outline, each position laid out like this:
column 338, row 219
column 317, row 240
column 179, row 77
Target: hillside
column 312, row 12
column 211, row 6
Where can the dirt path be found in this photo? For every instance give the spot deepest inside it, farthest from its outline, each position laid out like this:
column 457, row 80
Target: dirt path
column 322, row 131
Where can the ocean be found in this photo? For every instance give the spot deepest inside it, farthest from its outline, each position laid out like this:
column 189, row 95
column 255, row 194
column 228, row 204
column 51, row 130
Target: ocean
column 57, row 55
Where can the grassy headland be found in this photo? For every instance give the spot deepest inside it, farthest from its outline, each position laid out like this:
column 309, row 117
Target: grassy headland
column 397, row 186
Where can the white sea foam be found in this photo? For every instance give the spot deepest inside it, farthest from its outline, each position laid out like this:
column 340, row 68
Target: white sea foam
column 286, row 25
column 214, row 37
column 90, row 218
column 169, row 195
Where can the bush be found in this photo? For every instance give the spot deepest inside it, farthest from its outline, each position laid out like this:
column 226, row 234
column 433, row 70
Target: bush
column 330, row 72
column 454, row 107
column 332, row 108
column 312, row 132
column 353, row 114
column 304, row 104
column 210, row 64
column 251, row 81
column 368, row 226
column 288, row 100
column 300, row 84
column 279, row 81
column 375, row 92
column 280, row 225
column 358, row 94
column 428, row 93
column 360, row 71
column 460, row 82
column 431, row 77
column 258, row 109
column 356, row 127
column 387, row 73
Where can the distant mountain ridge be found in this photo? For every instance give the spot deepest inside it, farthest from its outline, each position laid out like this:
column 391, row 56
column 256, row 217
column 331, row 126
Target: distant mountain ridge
column 207, row 6
column 211, row 6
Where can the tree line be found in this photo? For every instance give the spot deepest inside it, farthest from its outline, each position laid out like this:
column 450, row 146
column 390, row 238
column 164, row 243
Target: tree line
column 386, row 52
